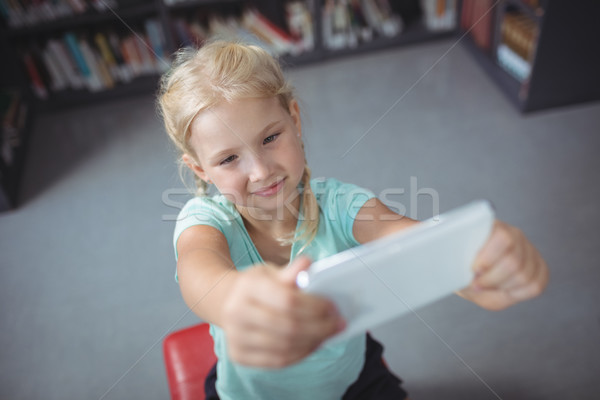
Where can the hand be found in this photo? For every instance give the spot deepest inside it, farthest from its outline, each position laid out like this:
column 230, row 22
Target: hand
column 508, row 270
column 269, row 322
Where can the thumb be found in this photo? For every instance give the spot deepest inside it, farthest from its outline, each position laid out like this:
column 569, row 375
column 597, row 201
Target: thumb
column 289, row 273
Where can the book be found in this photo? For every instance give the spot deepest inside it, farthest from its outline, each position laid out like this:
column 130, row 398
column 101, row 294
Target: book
column 300, row 24
column 332, row 38
column 125, row 70
column 58, row 79
column 158, row 43
column 107, row 55
column 66, row 63
column 78, row 6
column 131, row 56
column 518, row 41
column 519, row 32
column 280, row 41
column 439, row 14
column 16, row 14
column 38, row 60
column 144, row 51
column 73, row 46
column 381, row 18
column 108, row 81
column 95, row 82
column 35, row 79
column 513, row 63
column 476, row 18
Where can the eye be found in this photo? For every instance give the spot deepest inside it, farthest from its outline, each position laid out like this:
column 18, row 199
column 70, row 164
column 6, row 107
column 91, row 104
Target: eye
column 228, row 160
column 271, row 138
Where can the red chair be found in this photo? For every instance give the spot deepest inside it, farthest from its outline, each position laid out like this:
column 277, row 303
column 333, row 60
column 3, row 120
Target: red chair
column 189, row 356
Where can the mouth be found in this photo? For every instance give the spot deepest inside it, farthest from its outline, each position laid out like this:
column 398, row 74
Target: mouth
column 268, row 191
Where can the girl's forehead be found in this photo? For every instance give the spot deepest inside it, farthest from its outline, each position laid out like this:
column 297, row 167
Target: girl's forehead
column 235, row 122
column 237, row 117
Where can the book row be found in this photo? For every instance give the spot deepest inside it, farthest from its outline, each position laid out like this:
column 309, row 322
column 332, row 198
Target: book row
column 252, row 27
column 348, row 23
column 20, row 13
column 95, row 61
column 519, row 35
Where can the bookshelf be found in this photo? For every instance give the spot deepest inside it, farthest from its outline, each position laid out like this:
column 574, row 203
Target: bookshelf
column 31, row 25
column 541, row 53
column 15, row 123
column 67, row 53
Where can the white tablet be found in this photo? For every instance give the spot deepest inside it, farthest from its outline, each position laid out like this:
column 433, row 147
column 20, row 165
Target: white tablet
column 395, row 275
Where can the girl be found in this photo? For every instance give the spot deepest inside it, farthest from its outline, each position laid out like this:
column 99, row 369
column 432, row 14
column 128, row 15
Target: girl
column 233, row 116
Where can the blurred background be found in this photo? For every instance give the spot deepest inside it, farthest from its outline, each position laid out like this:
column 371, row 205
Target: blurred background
column 430, row 104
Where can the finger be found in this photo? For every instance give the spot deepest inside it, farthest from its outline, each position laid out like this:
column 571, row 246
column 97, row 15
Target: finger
column 499, row 242
column 503, row 271
column 307, row 305
column 268, row 290
column 536, row 285
column 527, row 271
column 489, row 299
column 288, row 274
column 265, row 347
column 309, row 316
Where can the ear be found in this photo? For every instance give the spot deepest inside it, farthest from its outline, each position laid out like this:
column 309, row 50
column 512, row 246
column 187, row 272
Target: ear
column 196, row 168
column 295, row 114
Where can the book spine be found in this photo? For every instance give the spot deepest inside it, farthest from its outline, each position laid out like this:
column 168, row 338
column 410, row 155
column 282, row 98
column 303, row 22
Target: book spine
column 126, row 74
column 37, row 84
column 107, row 55
column 513, row 63
column 145, row 53
column 103, row 71
column 58, row 78
column 73, row 47
column 131, row 56
column 158, row 44
column 93, row 79
column 67, row 63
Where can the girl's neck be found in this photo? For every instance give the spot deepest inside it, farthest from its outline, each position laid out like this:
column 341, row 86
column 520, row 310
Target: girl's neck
column 279, row 223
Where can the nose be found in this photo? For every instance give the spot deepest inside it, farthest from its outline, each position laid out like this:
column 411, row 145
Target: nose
column 259, row 169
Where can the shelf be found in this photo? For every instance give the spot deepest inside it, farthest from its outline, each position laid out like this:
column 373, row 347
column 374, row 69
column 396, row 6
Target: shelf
column 513, row 89
column 302, row 59
column 182, row 5
column 83, row 20
column 414, row 33
column 75, row 98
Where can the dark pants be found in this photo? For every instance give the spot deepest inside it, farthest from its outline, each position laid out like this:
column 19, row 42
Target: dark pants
column 374, row 382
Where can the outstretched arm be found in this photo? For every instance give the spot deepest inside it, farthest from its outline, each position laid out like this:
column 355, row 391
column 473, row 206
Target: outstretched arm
column 508, row 269
column 267, row 320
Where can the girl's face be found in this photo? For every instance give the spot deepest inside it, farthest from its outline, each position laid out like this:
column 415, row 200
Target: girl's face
column 251, row 150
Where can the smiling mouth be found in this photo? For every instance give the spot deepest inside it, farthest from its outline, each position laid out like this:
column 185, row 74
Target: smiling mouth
column 270, row 190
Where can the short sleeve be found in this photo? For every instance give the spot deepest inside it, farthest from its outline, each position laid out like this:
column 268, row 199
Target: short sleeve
column 202, row 211
column 342, row 203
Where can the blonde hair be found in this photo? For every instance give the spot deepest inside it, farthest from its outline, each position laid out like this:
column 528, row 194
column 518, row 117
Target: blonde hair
column 226, row 71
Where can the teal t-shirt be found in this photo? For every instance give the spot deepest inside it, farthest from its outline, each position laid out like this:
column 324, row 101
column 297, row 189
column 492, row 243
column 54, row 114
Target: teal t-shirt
column 324, row 374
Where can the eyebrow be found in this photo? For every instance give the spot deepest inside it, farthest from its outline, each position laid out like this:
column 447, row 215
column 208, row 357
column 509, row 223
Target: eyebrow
column 223, row 153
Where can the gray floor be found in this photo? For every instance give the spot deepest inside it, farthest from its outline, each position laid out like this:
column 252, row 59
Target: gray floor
column 87, row 288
